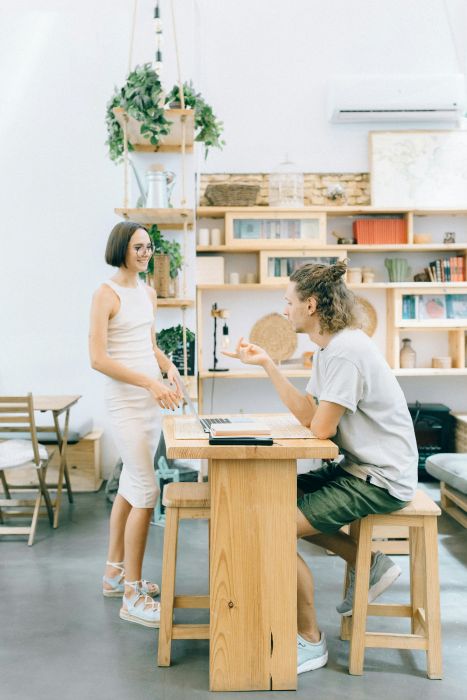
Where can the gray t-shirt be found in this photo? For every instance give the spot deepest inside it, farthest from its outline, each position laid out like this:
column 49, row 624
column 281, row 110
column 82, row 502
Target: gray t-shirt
column 376, row 432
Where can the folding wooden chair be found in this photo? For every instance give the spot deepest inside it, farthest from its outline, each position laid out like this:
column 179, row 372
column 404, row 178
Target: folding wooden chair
column 17, row 416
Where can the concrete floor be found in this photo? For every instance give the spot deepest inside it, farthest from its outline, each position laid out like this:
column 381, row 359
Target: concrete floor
column 59, row 638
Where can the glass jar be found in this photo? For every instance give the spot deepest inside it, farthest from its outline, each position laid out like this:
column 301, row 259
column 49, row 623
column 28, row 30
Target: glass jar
column 408, row 355
column 286, row 186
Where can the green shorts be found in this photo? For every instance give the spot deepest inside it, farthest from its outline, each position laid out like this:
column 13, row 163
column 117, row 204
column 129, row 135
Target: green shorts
column 332, row 498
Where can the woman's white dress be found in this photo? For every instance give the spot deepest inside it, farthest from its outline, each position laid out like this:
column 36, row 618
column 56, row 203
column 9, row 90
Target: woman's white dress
column 134, row 414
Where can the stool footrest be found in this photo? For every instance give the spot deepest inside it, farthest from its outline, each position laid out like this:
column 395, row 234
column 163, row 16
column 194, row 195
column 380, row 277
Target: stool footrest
column 383, row 640
column 190, row 632
column 191, row 601
column 389, row 610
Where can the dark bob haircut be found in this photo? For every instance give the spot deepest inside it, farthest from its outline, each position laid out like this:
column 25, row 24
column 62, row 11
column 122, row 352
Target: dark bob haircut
column 117, row 244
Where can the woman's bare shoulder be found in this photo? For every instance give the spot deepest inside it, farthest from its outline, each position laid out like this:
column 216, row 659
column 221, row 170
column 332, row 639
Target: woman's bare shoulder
column 105, row 294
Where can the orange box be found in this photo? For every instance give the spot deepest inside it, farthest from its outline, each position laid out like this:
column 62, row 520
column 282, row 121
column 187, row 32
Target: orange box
column 380, row 231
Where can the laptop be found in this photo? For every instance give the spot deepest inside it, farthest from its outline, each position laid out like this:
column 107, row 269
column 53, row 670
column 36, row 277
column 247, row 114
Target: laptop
column 198, row 427
column 282, row 426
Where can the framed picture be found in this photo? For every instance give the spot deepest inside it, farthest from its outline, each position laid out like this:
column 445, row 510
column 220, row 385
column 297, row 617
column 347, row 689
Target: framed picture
column 418, row 169
column 431, row 307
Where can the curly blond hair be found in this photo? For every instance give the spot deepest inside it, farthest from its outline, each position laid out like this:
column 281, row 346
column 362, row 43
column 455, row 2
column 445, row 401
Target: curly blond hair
column 336, row 305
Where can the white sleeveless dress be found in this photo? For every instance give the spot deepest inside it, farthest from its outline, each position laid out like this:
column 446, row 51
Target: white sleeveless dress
column 135, row 416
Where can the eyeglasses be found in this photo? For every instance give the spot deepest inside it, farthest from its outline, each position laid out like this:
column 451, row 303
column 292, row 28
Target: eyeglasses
column 141, row 249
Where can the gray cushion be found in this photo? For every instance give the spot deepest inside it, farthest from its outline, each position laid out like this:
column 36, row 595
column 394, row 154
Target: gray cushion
column 44, row 438
column 451, row 468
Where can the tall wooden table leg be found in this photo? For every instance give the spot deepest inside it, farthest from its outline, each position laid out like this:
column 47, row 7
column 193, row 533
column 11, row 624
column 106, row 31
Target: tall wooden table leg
column 253, row 575
column 62, row 439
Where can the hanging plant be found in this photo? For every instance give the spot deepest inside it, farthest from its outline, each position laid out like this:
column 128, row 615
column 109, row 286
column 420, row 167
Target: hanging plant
column 208, row 128
column 142, row 98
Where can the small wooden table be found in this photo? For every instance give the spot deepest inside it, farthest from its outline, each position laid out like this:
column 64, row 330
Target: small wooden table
column 253, row 557
column 58, row 405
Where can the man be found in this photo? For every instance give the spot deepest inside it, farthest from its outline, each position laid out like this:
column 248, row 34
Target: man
column 354, row 398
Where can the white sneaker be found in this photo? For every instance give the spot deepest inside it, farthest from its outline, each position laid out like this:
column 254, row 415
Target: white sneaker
column 311, row 655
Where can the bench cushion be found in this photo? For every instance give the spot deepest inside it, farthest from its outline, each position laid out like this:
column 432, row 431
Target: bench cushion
column 451, row 468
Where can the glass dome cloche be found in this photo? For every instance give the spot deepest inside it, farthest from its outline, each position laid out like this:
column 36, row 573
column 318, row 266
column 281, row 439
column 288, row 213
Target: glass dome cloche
column 286, row 185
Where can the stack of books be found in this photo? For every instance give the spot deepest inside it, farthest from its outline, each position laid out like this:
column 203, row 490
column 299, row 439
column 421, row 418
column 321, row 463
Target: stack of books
column 447, row 270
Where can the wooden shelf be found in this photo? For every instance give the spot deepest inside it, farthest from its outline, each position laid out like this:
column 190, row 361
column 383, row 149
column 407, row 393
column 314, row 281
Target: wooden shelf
column 164, row 218
column 403, row 247
column 410, row 286
column 169, row 143
column 219, row 212
column 306, row 373
column 253, row 374
column 171, row 302
column 406, row 247
column 430, row 372
column 434, row 325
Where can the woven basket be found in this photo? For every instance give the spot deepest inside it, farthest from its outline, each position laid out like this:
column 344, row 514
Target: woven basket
column 275, row 334
column 162, row 275
column 368, row 316
column 232, row 195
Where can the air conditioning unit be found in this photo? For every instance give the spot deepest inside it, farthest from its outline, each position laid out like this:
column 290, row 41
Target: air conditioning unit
column 396, row 98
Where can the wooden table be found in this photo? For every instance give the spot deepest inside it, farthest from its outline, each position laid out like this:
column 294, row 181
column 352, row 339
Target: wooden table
column 58, row 405
column 253, row 557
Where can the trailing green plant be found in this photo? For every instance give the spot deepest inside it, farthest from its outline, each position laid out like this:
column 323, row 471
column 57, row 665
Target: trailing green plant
column 142, row 98
column 208, row 128
column 171, row 248
column 170, row 339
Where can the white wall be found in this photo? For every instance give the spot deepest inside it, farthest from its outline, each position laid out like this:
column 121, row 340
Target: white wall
column 263, row 65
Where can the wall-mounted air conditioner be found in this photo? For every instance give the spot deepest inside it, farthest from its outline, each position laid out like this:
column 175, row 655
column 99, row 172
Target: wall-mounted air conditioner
column 396, row 98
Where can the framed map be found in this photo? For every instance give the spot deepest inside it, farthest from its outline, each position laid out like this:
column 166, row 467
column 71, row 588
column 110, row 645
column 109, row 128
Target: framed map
column 418, row 169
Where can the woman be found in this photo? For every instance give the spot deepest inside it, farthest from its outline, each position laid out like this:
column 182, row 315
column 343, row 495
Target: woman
column 123, row 347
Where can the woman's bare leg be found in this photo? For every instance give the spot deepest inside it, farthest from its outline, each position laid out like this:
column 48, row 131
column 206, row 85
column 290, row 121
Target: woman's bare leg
column 118, row 519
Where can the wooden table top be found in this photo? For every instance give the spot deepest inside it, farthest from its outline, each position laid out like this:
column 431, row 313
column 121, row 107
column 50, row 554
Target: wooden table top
column 55, row 403
column 283, row 448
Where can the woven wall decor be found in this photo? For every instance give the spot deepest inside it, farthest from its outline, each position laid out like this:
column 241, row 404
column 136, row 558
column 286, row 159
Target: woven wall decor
column 274, row 333
column 368, row 315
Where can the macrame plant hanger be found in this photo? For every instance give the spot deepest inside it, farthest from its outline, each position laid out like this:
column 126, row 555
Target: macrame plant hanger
column 183, row 202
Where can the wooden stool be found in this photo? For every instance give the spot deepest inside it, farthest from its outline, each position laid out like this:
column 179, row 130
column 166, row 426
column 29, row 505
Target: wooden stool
column 424, row 611
column 182, row 501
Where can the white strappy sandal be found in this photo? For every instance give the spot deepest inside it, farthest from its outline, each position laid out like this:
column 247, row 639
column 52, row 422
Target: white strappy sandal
column 116, row 586
column 148, row 613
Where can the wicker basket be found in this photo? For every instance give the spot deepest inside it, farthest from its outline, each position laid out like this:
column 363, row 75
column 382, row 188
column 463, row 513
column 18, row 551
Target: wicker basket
column 275, row 334
column 232, row 195
column 162, row 275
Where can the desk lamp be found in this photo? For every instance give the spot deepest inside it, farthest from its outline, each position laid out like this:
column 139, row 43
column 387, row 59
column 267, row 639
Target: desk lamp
column 219, row 313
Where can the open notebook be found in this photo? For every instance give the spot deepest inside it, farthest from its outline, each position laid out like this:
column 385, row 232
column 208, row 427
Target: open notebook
column 282, row 426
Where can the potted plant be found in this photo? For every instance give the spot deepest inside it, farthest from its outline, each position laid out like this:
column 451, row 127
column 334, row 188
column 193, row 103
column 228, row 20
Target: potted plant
column 142, row 98
column 170, row 341
column 208, row 128
column 166, row 263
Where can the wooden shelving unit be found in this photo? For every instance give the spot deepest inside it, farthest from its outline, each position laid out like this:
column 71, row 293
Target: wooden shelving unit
column 170, row 143
column 164, row 218
column 322, row 247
